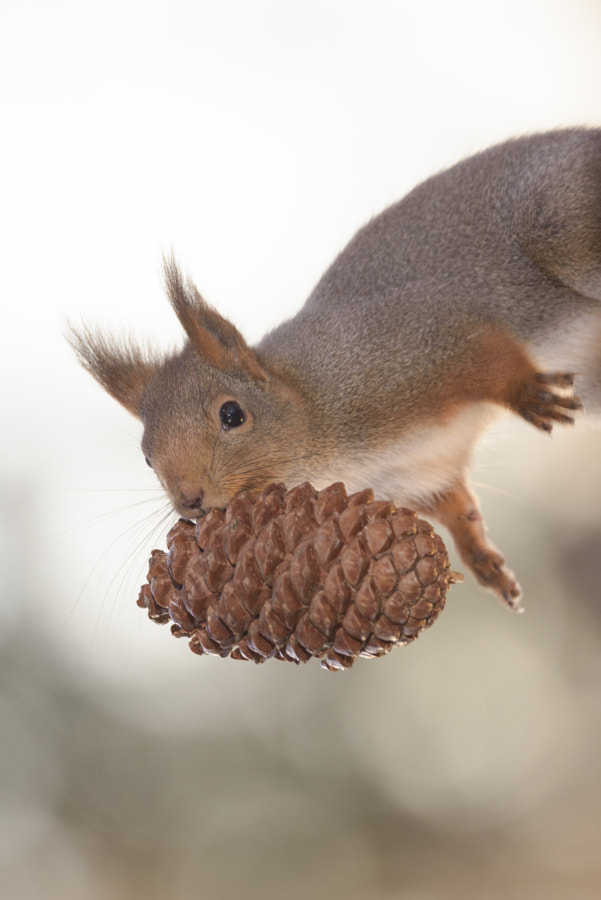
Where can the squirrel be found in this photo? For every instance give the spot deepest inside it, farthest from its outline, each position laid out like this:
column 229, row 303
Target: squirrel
column 479, row 291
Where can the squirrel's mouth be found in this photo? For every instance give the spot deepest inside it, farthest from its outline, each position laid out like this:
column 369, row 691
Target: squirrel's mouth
column 195, row 502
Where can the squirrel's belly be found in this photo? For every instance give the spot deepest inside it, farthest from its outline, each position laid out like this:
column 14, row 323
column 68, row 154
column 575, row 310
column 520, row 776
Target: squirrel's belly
column 411, row 470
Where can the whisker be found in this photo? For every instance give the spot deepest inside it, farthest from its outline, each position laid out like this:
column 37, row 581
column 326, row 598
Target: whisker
column 213, row 450
column 125, row 568
column 116, row 490
column 118, row 541
column 250, row 468
column 101, row 517
column 256, row 463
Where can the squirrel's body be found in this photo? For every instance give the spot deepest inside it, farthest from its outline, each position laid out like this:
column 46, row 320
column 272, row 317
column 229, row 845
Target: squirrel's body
column 479, row 290
column 481, row 244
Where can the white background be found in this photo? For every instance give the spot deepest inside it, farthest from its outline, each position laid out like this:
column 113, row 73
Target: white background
column 253, row 139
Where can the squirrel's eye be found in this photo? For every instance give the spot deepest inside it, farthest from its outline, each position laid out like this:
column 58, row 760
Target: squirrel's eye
column 148, row 463
column 231, row 415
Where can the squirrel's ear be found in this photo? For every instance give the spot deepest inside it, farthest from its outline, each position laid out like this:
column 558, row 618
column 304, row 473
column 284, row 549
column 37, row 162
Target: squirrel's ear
column 219, row 342
column 121, row 368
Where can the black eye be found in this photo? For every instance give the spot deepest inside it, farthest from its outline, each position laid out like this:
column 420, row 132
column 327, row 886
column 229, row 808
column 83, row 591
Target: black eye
column 148, row 463
column 231, row 415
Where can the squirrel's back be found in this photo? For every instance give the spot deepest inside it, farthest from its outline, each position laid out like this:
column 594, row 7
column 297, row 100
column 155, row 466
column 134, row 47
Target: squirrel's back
column 510, row 237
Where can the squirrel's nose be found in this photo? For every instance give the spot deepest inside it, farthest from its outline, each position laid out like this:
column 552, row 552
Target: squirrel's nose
column 192, row 502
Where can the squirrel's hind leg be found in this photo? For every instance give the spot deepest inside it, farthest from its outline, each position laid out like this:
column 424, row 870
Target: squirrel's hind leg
column 457, row 509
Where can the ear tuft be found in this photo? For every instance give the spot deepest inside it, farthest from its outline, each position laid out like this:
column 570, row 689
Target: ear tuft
column 122, row 368
column 219, row 342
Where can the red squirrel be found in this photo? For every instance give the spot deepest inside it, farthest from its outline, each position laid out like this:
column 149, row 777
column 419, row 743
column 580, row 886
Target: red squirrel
column 479, row 291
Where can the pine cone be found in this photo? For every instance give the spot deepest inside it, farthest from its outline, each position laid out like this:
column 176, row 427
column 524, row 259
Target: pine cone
column 292, row 574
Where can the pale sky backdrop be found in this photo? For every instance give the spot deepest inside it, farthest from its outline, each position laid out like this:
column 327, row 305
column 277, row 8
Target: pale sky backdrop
column 253, row 137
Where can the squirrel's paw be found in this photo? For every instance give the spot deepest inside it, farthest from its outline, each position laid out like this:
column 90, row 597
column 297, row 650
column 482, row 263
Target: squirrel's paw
column 458, row 511
column 488, row 565
column 546, row 399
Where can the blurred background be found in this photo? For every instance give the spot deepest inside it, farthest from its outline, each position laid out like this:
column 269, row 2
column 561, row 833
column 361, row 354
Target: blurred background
column 254, row 138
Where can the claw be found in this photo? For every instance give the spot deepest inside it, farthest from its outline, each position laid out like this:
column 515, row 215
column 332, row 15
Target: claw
column 542, row 406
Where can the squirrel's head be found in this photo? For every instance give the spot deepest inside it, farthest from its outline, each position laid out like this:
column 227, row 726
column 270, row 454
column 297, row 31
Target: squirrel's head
column 216, row 419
